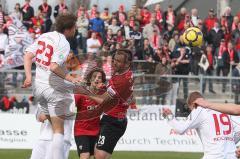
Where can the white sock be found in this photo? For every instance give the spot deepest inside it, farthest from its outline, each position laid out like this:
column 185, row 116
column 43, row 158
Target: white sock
column 39, row 149
column 67, row 147
column 49, row 152
column 58, row 146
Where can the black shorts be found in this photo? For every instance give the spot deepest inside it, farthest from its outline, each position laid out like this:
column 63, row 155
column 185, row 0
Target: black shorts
column 111, row 130
column 85, row 144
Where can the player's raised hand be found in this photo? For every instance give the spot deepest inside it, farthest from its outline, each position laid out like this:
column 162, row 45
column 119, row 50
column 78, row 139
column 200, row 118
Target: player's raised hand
column 201, row 102
column 27, row 83
column 166, row 112
column 42, row 117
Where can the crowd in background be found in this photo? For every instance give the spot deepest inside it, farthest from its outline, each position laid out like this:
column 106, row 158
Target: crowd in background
column 153, row 36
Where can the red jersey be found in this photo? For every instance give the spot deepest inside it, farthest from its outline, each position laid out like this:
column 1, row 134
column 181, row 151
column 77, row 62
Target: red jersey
column 121, row 87
column 86, row 127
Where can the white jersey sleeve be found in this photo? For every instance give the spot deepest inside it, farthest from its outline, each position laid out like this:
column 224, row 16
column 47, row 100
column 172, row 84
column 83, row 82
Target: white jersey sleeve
column 32, row 48
column 193, row 121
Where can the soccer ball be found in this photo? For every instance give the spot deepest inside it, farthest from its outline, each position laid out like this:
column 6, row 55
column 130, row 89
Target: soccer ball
column 192, row 37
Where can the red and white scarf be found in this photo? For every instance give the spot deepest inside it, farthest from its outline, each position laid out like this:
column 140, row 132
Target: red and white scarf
column 62, row 6
column 158, row 15
column 44, row 7
column 222, row 48
column 25, row 7
column 170, row 18
column 231, row 54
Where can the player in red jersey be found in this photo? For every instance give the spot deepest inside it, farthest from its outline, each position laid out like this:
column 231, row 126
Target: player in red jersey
column 114, row 103
column 86, row 131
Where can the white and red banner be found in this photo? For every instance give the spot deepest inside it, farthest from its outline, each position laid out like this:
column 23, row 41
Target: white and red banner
column 146, row 131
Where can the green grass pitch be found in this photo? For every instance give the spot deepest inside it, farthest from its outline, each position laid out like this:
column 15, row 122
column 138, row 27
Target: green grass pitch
column 25, row 154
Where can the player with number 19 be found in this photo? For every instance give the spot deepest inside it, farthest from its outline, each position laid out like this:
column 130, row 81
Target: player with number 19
column 50, row 89
column 216, row 130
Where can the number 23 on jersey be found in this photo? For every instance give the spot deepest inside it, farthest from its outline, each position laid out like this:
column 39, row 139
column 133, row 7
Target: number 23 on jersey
column 44, row 53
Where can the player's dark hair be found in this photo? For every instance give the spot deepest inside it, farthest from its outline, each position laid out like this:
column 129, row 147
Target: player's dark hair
column 193, row 96
column 89, row 75
column 126, row 52
column 65, row 21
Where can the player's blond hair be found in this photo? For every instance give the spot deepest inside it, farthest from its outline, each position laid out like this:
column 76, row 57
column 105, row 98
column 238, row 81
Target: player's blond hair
column 193, row 96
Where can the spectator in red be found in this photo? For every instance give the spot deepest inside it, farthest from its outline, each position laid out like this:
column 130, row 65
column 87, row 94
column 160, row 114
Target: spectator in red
column 180, row 19
column 146, row 16
column 60, row 8
column 93, row 11
column 155, row 40
column 27, row 14
column 158, row 14
column 37, row 24
column 121, row 14
column 46, row 11
column 169, row 16
column 210, row 20
column 227, row 34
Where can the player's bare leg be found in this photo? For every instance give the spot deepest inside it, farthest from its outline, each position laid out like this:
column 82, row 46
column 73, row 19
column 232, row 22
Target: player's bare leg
column 85, row 155
column 100, row 154
column 58, row 138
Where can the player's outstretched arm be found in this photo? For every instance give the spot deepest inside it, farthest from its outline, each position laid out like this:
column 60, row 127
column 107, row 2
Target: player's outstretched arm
column 228, row 108
column 28, row 69
column 105, row 106
column 55, row 68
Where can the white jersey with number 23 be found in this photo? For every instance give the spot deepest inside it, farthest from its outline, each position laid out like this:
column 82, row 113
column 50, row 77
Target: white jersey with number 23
column 49, row 47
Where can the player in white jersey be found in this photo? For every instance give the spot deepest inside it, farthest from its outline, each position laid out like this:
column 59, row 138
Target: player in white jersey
column 214, row 129
column 42, row 149
column 50, row 51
